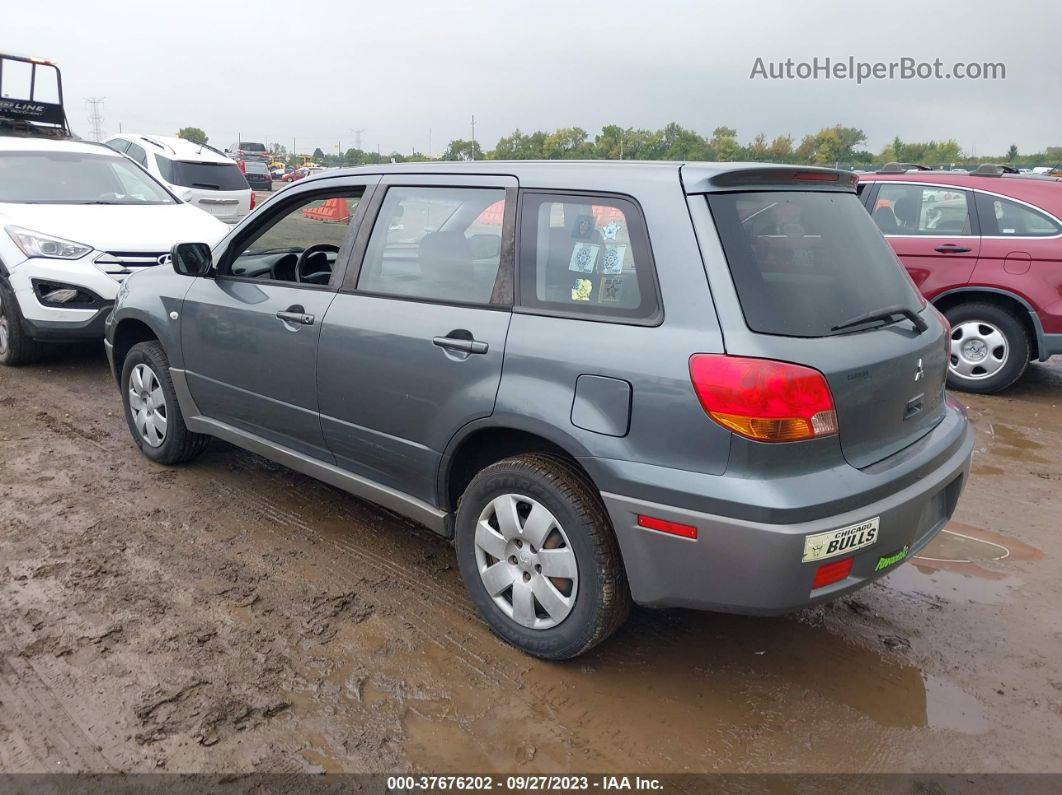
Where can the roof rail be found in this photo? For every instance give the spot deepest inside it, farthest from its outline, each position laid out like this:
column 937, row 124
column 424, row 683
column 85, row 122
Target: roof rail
column 900, row 168
column 993, row 170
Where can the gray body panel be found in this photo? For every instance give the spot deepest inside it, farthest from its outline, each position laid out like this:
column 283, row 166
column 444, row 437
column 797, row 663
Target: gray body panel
column 366, row 402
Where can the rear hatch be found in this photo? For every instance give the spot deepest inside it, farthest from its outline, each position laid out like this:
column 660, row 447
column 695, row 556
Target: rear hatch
column 216, row 188
column 819, row 286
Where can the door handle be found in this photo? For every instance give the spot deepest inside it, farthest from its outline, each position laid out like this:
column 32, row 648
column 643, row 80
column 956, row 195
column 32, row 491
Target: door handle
column 460, row 344
column 951, row 248
column 296, row 315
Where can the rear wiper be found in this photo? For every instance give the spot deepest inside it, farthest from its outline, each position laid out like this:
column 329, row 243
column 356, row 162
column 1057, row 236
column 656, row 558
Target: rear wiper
column 888, row 313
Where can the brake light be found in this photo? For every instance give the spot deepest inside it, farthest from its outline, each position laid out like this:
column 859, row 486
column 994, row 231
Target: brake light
column 816, row 176
column 829, row 573
column 763, row 399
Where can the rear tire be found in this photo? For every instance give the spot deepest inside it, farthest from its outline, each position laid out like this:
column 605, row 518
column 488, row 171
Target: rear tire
column 151, row 409
column 16, row 348
column 558, row 617
column 989, row 348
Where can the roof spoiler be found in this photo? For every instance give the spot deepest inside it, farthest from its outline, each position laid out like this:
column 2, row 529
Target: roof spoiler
column 900, row 168
column 993, row 170
column 22, row 111
column 756, row 176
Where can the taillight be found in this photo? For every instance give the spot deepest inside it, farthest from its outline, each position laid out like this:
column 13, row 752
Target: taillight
column 253, row 202
column 947, row 332
column 762, row 399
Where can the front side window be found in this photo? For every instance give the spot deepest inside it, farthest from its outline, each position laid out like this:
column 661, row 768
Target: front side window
column 587, row 255
column 1003, row 218
column 922, row 210
column 805, row 263
column 206, row 176
column 300, row 243
column 76, row 178
column 437, row 244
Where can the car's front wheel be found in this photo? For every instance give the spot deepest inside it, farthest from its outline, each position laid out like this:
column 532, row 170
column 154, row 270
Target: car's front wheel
column 989, row 348
column 15, row 347
column 151, row 407
column 539, row 557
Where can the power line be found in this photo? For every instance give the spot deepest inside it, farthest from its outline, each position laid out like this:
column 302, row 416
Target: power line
column 96, row 116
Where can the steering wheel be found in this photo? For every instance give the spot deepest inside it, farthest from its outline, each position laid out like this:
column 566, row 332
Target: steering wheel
column 318, row 277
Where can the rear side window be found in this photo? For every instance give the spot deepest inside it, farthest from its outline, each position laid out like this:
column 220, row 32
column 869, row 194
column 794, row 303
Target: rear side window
column 208, row 176
column 138, row 154
column 1004, row 218
column 922, row 210
column 586, row 255
column 805, row 262
column 436, row 244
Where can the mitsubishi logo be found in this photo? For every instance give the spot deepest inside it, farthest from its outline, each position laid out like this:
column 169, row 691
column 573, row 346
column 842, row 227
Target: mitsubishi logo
column 919, row 371
column 165, row 259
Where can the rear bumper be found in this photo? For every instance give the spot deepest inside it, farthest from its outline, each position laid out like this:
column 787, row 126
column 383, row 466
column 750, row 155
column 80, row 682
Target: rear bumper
column 739, row 565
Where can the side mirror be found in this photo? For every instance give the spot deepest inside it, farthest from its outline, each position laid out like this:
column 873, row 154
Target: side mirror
column 485, row 246
column 192, row 259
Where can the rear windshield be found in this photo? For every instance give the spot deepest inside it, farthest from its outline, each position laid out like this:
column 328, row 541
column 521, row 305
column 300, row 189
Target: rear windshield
column 247, row 146
column 806, row 262
column 76, row 178
column 208, row 176
column 256, row 168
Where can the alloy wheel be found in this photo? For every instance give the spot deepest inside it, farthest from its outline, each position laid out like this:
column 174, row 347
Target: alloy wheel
column 147, row 402
column 978, row 350
column 526, row 561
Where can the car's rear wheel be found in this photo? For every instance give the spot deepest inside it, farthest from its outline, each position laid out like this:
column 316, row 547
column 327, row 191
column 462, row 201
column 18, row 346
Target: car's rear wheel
column 989, row 348
column 15, row 347
column 539, row 558
column 151, row 409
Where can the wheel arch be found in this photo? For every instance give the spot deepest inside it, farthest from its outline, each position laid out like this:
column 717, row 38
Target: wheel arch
column 483, row 442
column 128, row 332
column 1005, row 299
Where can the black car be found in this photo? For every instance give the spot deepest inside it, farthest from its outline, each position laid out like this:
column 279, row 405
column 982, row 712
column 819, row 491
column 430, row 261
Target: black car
column 258, row 176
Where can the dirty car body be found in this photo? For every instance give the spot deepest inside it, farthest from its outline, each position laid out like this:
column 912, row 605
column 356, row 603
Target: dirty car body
column 687, row 365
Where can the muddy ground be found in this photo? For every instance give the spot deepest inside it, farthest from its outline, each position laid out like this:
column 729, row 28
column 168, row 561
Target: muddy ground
column 231, row 615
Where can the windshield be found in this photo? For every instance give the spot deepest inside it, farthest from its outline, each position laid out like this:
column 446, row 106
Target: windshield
column 208, row 176
column 806, row 262
column 76, row 178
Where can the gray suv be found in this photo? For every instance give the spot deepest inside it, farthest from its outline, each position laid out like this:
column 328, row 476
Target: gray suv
column 696, row 385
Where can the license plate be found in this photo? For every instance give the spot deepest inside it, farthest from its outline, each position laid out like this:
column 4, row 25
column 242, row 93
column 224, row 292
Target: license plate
column 843, row 540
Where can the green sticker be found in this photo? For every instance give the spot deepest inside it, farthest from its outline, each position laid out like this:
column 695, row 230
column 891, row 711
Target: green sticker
column 885, row 562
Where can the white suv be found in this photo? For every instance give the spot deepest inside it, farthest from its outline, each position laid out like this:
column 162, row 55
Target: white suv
column 197, row 173
column 75, row 220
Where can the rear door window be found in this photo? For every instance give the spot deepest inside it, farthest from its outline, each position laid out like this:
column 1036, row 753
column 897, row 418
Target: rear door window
column 1004, row 218
column 138, row 153
column 804, row 262
column 922, row 210
column 586, row 255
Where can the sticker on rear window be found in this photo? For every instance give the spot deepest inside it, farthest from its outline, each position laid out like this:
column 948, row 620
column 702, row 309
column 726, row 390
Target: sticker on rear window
column 837, row 542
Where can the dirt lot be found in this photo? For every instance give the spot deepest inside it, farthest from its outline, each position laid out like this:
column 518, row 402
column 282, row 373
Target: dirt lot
column 231, row 615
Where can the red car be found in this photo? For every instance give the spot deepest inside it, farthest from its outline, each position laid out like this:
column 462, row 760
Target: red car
column 985, row 247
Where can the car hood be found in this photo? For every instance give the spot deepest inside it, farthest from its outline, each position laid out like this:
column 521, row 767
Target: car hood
column 118, row 227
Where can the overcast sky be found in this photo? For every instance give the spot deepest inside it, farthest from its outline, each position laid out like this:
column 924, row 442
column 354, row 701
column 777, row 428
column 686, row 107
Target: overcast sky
column 315, row 71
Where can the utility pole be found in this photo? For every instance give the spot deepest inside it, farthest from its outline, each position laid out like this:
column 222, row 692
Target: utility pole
column 96, row 116
column 473, row 153
column 429, row 143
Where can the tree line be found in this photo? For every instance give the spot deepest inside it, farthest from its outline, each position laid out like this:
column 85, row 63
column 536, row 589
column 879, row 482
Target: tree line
column 831, row 146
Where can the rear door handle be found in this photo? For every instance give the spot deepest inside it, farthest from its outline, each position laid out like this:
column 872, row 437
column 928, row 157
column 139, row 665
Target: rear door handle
column 951, row 248
column 460, row 344
column 296, row 315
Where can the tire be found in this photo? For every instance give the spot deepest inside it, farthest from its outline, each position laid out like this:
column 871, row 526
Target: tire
column 168, row 441
column 16, row 348
column 990, row 348
column 593, row 603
